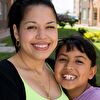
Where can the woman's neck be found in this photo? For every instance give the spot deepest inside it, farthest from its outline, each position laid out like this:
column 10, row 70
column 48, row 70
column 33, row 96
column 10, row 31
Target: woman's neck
column 27, row 63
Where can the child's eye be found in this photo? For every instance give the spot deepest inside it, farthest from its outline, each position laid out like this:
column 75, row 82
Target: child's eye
column 79, row 62
column 62, row 60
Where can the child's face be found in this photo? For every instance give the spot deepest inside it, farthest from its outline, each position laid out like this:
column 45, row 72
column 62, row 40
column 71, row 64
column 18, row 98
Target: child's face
column 72, row 69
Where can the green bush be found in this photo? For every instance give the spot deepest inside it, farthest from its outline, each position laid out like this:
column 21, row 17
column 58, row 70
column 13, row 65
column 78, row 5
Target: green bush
column 62, row 24
column 72, row 21
column 82, row 31
column 94, row 36
column 65, row 18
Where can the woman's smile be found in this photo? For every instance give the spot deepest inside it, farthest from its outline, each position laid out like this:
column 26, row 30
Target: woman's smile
column 42, row 46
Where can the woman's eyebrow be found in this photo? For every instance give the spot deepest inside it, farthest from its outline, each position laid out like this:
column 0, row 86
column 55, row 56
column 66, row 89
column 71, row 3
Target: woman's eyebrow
column 26, row 22
column 51, row 22
column 34, row 22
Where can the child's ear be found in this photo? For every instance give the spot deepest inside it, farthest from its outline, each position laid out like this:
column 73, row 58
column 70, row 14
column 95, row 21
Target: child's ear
column 16, row 34
column 92, row 72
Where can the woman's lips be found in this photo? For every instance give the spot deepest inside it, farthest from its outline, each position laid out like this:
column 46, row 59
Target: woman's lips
column 41, row 46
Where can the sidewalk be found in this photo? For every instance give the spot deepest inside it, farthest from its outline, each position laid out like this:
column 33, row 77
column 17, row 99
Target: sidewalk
column 3, row 48
column 7, row 49
column 86, row 26
column 4, row 33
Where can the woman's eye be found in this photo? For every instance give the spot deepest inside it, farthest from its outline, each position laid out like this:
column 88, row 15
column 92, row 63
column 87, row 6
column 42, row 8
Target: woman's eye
column 50, row 27
column 31, row 27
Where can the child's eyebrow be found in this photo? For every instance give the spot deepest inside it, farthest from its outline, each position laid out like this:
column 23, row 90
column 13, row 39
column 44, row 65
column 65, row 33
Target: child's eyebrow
column 64, row 55
column 61, row 54
column 81, row 57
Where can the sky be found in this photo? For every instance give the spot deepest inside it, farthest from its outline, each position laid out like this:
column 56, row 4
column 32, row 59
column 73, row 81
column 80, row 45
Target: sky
column 63, row 6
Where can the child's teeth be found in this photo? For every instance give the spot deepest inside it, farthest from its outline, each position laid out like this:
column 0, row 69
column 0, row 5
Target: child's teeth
column 69, row 77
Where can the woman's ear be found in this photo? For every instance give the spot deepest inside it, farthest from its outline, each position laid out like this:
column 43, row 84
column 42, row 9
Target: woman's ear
column 92, row 72
column 16, row 34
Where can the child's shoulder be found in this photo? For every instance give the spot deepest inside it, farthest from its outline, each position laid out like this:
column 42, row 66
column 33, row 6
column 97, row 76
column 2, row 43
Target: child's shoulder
column 93, row 93
column 96, row 90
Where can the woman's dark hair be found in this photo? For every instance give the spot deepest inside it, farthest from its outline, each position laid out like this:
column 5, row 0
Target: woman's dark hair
column 83, row 45
column 17, row 12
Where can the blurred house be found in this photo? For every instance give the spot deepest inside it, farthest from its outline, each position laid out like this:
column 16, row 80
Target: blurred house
column 88, row 12
column 4, row 8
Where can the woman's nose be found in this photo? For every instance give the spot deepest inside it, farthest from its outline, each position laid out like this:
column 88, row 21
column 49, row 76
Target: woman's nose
column 41, row 34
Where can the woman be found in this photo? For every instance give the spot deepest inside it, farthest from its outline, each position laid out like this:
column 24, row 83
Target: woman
column 75, row 68
column 26, row 75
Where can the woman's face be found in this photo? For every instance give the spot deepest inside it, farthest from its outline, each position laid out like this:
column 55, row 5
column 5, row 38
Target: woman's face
column 38, row 34
column 72, row 69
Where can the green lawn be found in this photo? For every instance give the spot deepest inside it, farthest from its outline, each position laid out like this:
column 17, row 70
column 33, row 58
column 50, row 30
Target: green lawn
column 7, row 41
column 62, row 33
column 98, row 61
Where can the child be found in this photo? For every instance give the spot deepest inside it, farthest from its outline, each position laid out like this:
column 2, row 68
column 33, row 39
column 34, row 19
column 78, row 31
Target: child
column 75, row 68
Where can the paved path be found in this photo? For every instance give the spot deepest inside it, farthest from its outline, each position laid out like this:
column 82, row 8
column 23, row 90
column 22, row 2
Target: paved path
column 4, row 33
column 7, row 49
column 86, row 26
column 3, row 47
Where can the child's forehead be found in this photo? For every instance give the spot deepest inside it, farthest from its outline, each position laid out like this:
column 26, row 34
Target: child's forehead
column 66, row 48
column 73, row 53
column 71, row 47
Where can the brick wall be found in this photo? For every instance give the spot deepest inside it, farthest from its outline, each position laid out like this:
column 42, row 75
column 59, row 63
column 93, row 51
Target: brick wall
column 92, row 11
column 5, row 5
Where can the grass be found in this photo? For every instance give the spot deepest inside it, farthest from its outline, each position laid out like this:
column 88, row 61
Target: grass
column 98, row 62
column 7, row 41
column 5, row 55
column 62, row 33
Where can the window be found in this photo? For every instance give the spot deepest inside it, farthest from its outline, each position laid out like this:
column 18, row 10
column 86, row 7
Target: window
column 99, row 14
column 84, row 17
column 0, row 9
column 95, row 15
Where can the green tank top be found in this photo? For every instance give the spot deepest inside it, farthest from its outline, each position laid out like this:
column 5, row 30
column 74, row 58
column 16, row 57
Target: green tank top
column 33, row 95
